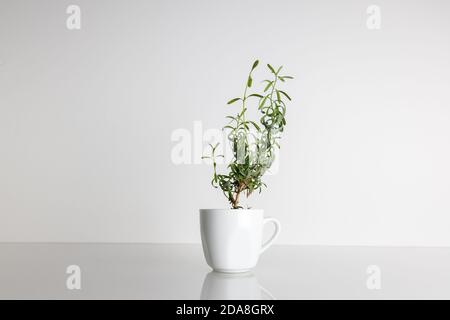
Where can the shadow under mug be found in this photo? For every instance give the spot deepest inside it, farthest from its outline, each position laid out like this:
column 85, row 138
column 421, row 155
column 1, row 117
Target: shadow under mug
column 232, row 239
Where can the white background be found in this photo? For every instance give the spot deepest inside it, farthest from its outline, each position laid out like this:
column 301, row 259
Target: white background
column 86, row 118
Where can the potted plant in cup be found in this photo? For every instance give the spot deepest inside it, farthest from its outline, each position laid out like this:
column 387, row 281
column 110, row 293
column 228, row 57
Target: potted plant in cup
column 232, row 238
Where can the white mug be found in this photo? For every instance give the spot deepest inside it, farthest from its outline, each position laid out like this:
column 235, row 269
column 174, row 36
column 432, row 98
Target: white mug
column 232, row 239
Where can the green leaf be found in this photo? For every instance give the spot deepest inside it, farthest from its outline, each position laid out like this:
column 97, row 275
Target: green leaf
column 249, row 81
column 255, row 125
column 233, row 100
column 261, row 104
column 268, row 86
column 279, row 69
column 271, row 68
column 285, row 94
column 278, row 95
column 255, row 64
column 287, row 77
column 255, row 95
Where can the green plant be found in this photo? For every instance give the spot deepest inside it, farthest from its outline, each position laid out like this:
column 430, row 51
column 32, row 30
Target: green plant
column 252, row 143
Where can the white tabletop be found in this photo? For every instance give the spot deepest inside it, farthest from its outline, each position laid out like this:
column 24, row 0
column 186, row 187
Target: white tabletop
column 178, row 271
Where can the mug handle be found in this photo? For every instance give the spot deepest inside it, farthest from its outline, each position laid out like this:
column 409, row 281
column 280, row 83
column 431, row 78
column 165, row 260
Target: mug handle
column 275, row 234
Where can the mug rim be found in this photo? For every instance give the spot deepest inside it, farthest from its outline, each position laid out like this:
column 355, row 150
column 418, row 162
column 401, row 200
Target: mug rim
column 218, row 211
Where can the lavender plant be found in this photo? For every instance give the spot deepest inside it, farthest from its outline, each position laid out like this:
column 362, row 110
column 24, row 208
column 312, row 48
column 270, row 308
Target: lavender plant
column 252, row 142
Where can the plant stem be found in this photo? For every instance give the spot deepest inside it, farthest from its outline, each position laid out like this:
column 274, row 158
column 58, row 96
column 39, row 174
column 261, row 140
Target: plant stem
column 269, row 132
column 273, row 86
column 235, row 201
column 244, row 99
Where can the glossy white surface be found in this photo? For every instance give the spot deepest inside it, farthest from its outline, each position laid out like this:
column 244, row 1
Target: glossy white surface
column 149, row 271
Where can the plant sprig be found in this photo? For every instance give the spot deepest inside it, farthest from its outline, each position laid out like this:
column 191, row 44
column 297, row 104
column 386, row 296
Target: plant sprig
column 252, row 159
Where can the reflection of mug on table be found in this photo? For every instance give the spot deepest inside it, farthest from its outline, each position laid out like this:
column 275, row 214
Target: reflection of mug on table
column 223, row 286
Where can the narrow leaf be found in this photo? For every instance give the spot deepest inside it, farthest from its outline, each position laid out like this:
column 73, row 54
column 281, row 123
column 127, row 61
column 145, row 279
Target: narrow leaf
column 243, row 111
column 285, row 94
column 261, row 104
column 233, row 100
column 268, row 86
column 255, row 95
column 249, row 82
column 271, row 68
column 255, row 64
column 255, row 125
